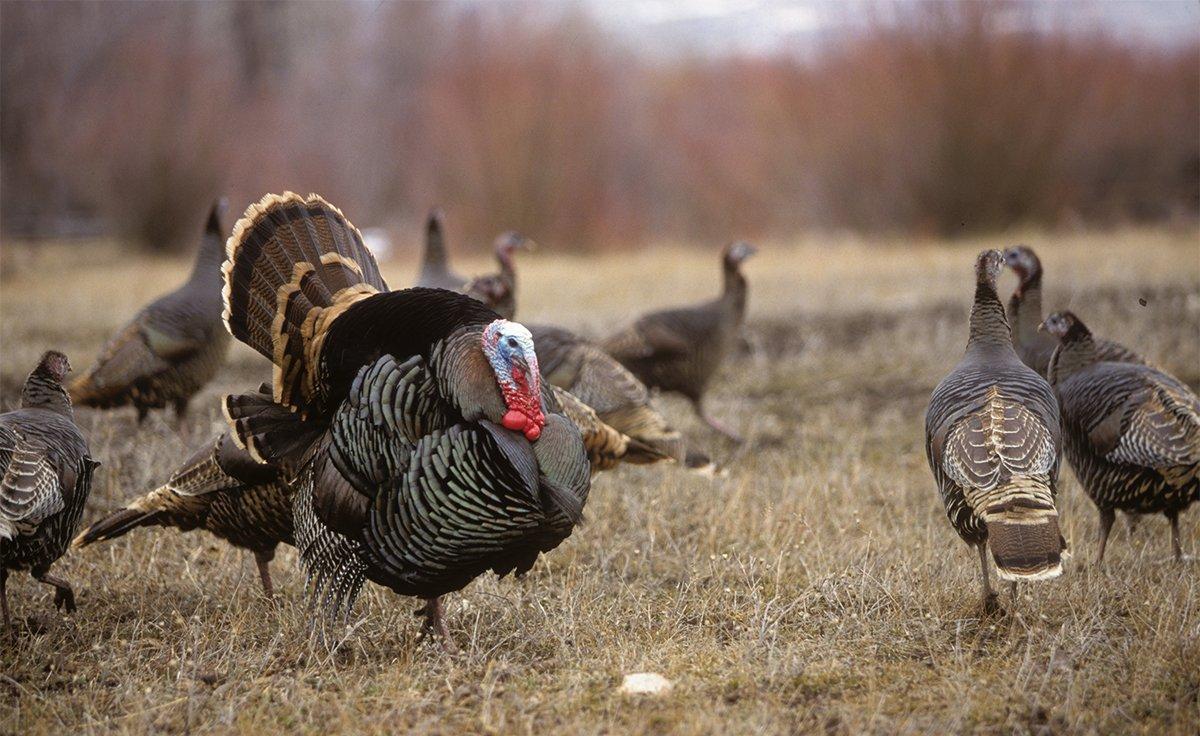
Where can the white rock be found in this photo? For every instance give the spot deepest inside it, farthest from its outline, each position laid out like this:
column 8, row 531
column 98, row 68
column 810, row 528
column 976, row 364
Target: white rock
column 645, row 683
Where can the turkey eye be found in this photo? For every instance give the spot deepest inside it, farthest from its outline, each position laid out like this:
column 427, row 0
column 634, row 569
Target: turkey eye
column 512, row 343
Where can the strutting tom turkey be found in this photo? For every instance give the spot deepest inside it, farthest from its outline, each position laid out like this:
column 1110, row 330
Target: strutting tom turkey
column 992, row 438
column 171, row 348
column 428, row 451
column 1034, row 346
column 682, row 349
column 1132, row 432
column 45, row 478
column 220, row 489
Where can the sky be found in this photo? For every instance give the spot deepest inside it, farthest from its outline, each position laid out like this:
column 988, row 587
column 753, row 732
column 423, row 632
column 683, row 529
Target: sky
column 764, row 26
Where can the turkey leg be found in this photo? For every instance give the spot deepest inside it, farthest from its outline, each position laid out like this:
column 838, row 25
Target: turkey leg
column 698, row 405
column 64, row 597
column 435, row 623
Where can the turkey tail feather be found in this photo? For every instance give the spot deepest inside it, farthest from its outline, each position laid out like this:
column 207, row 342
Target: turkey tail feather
column 650, row 429
column 270, row 433
column 293, row 264
column 117, row 524
column 1023, row 533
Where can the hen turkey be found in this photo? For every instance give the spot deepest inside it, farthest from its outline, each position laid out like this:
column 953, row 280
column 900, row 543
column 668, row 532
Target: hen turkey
column 435, row 266
column 992, row 438
column 1132, row 432
column 45, row 478
column 618, row 398
column 1035, row 347
column 499, row 290
column 171, row 349
column 682, row 349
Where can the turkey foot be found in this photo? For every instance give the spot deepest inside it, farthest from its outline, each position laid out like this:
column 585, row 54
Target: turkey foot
column 64, row 597
column 435, row 624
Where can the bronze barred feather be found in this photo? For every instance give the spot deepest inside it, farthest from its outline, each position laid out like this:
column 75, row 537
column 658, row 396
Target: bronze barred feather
column 221, row 490
column 45, row 479
column 172, row 348
column 992, row 440
column 1132, row 431
column 426, row 449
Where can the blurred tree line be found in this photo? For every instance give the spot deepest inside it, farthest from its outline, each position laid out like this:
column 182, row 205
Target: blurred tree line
column 129, row 117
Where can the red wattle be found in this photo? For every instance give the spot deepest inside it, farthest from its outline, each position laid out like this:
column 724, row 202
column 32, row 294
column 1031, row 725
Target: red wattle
column 532, row 432
column 515, row 420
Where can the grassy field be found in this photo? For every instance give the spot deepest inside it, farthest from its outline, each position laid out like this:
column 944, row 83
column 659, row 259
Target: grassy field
column 814, row 585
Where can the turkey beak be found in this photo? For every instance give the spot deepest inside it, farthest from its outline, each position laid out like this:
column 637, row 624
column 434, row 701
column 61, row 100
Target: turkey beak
column 1042, row 327
column 528, row 244
column 519, row 361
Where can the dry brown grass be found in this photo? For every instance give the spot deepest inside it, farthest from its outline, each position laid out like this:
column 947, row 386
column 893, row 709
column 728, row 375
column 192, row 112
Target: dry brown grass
column 815, row 587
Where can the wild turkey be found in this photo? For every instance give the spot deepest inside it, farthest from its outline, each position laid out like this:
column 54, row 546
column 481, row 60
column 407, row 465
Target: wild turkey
column 618, row 398
column 1034, row 346
column 435, row 269
column 45, row 478
column 681, row 349
column 499, row 290
column 428, row 451
column 220, row 489
column 1132, row 432
column 993, row 444
column 171, row 349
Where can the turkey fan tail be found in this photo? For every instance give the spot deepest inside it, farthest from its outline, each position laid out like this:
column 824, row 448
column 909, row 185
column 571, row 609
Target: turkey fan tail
column 1023, row 532
column 268, row 432
column 293, row 264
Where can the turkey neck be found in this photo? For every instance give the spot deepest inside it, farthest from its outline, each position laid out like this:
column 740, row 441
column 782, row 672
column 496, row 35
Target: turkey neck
column 1077, row 351
column 206, row 271
column 735, row 290
column 44, row 391
column 435, row 251
column 1029, row 308
column 507, row 271
column 989, row 326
